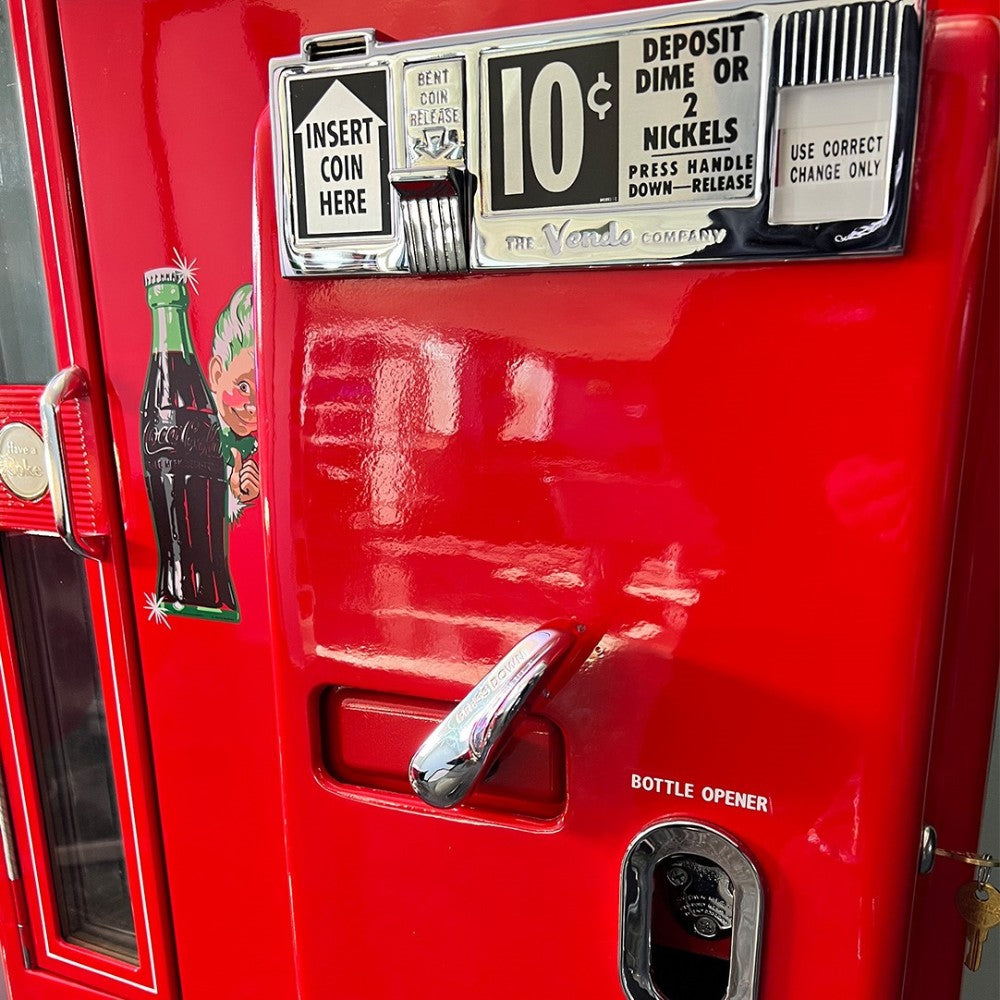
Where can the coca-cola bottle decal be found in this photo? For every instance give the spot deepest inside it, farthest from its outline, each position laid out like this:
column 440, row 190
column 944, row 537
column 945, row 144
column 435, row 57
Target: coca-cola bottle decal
column 187, row 475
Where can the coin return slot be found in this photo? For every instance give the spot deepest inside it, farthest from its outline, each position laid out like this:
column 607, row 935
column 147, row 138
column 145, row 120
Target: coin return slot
column 691, row 910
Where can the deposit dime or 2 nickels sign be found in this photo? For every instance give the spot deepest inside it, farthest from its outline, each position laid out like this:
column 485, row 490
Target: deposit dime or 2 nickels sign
column 691, row 120
column 694, row 132
column 668, row 117
column 22, row 461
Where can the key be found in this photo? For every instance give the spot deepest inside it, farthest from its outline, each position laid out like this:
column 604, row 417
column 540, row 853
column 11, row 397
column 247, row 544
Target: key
column 976, row 860
column 979, row 905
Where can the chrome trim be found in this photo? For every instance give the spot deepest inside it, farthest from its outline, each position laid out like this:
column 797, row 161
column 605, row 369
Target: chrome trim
column 881, row 47
column 433, row 220
column 789, row 43
column 7, row 833
column 70, row 383
column 654, row 845
column 928, row 848
column 457, row 754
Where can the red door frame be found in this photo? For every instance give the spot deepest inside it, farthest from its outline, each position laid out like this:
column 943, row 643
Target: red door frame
column 59, row 968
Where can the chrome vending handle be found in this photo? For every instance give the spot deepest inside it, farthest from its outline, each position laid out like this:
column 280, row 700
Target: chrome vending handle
column 70, row 383
column 453, row 758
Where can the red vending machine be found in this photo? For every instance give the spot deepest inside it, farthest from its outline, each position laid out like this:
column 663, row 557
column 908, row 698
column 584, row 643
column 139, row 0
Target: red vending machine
column 614, row 380
column 497, row 501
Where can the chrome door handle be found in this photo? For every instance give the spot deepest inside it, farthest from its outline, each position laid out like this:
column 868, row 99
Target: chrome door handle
column 453, row 758
column 70, row 383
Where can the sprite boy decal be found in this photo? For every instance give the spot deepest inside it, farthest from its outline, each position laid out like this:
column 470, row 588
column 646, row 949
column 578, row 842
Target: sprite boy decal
column 232, row 378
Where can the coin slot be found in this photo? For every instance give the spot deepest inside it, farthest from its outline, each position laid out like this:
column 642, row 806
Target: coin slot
column 322, row 47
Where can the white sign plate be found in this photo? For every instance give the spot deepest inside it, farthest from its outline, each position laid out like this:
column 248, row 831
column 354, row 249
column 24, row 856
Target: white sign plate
column 832, row 152
column 341, row 154
column 690, row 114
column 656, row 118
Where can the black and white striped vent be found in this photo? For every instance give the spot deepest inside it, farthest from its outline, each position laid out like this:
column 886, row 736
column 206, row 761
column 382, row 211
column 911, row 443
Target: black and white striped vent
column 858, row 41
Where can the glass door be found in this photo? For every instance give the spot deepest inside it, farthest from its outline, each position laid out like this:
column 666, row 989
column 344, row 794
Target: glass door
column 86, row 906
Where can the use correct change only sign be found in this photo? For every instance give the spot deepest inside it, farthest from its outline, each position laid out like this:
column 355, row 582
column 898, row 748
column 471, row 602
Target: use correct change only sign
column 341, row 154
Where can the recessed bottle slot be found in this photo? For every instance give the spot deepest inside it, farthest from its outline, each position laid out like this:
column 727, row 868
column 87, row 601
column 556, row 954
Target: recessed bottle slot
column 690, row 916
column 691, row 928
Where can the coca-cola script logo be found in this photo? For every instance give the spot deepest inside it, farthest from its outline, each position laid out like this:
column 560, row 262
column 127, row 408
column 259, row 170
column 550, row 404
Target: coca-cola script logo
column 193, row 436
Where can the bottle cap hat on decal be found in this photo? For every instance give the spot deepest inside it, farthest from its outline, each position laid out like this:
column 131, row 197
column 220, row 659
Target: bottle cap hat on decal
column 161, row 275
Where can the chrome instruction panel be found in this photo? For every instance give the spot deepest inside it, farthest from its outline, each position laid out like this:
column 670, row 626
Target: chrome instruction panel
column 691, row 132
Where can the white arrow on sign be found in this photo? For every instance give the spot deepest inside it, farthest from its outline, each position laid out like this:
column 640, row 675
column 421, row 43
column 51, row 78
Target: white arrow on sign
column 341, row 165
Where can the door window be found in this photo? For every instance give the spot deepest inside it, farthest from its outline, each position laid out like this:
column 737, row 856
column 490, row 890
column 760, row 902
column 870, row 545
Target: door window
column 50, row 615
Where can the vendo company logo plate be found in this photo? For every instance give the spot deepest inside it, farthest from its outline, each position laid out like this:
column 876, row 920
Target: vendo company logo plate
column 687, row 133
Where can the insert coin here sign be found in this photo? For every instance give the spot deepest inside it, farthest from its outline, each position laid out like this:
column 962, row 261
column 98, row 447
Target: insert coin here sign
column 341, row 154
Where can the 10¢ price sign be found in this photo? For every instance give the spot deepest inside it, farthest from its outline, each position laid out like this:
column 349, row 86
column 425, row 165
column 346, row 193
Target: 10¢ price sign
column 665, row 117
column 553, row 127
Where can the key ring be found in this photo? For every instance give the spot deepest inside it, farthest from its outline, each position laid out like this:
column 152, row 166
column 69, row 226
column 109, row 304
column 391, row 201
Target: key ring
column 983, row 875
column 984, row 865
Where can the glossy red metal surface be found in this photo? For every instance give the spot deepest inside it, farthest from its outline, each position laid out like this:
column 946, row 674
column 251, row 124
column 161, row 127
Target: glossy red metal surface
column 967, row 693
column 747, row 476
